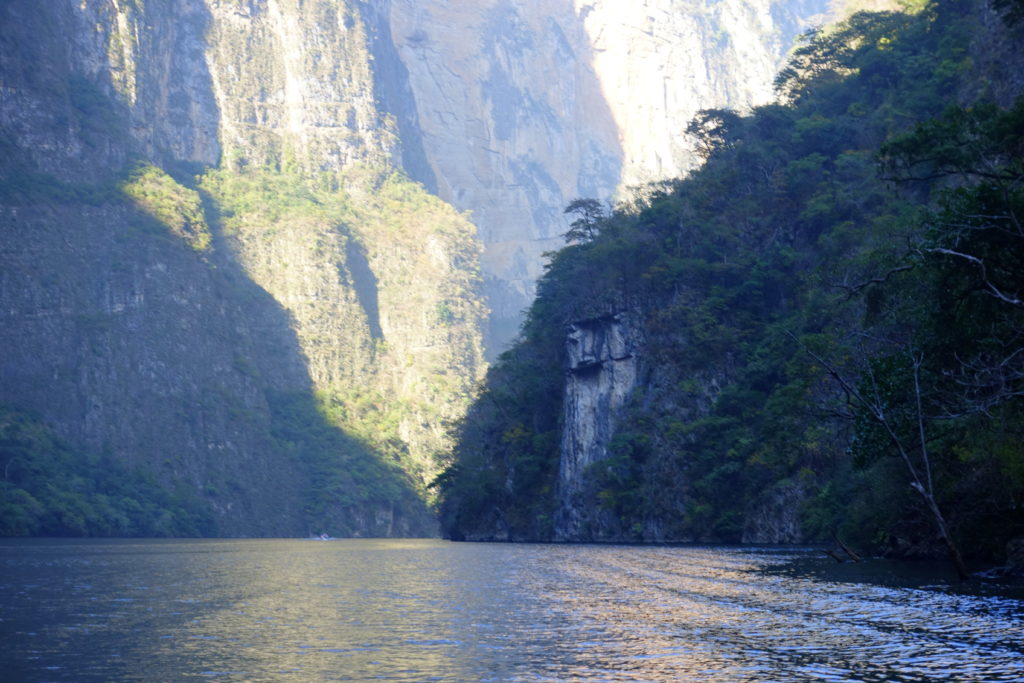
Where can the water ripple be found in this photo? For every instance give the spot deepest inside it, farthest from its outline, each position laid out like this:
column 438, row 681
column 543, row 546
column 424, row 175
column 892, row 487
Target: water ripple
column 429, row 610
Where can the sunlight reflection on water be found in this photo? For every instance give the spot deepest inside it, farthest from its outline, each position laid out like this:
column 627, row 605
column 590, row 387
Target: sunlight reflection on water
column 430, row 610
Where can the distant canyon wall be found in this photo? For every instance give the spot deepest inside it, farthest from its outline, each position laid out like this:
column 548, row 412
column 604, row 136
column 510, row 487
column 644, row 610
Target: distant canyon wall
column 524, row 106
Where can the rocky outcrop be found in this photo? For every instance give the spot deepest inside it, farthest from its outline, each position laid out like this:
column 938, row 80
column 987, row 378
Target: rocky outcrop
column 603, row 368
column 125, row 342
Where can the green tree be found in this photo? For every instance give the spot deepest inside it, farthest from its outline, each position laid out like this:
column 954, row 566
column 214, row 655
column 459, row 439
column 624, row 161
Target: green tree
column 589, row 217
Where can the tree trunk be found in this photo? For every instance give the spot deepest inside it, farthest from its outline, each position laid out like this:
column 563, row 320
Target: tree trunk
column 954, row 553
column 852, row 555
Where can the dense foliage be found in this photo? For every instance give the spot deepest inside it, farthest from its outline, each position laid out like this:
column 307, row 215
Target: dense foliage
column 831, row 307
column 50, row 490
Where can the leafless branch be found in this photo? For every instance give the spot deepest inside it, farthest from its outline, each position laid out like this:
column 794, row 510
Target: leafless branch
column 917, row 359
column 991, row 289
column 876, row 409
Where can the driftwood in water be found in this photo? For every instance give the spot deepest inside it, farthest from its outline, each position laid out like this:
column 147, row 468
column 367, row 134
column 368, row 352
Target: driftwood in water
column 833, row 556
column 852, row 555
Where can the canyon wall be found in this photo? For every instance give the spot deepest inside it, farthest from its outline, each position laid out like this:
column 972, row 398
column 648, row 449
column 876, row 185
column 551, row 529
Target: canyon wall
column 214, row 270
column 523, row 107
column 211, row 271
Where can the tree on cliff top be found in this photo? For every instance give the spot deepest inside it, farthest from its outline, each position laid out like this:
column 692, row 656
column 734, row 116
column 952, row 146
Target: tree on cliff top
column 589, row 216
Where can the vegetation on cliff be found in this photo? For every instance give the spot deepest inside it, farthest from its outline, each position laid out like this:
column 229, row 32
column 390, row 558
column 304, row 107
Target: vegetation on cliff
column 831, row 308
column 387, row 307
column 214, row 280
column 50, row 490
column 348, row 439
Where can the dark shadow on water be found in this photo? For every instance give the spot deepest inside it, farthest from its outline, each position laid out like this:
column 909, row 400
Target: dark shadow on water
column 938, row 575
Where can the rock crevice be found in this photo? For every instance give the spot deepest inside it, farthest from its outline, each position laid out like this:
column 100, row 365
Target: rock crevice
column 603, row 365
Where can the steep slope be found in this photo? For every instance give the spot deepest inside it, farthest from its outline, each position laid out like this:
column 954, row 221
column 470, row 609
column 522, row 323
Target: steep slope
column 263, row 338
column 817, row 331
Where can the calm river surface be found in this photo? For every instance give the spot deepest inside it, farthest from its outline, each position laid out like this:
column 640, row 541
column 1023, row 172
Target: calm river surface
column 421, row 610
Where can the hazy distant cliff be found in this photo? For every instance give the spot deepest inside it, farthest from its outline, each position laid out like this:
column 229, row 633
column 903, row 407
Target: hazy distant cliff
column 523, row 106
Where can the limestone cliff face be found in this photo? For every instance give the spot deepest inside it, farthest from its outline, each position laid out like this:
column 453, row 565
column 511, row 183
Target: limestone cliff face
column 525, row 106
column 254, row 82
column 294, row 85
column 285, row 337
column 660, row 61
column 603, row 368
column 514, row 125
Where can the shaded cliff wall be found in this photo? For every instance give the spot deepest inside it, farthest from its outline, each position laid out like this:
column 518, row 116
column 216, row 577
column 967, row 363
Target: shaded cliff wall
column 122, row 340
column 115, row 331
column 85, row 85
column 284, row 337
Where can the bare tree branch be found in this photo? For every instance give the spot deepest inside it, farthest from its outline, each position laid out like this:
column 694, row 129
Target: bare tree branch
column 876, row 409
column 991, row 288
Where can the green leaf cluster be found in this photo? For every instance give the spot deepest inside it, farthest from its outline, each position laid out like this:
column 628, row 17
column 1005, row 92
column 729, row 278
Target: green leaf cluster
column 178, row 208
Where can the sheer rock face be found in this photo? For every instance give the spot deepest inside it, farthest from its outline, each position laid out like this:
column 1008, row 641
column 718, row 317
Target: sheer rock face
column 127, row 341
column 294, row 85
column 603, row 368
column 514, row 126
column 255, row 82
column 524, row 106
column 660, row 61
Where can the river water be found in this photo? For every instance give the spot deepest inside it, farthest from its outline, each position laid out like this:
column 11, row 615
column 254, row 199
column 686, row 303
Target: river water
column 418, row 610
